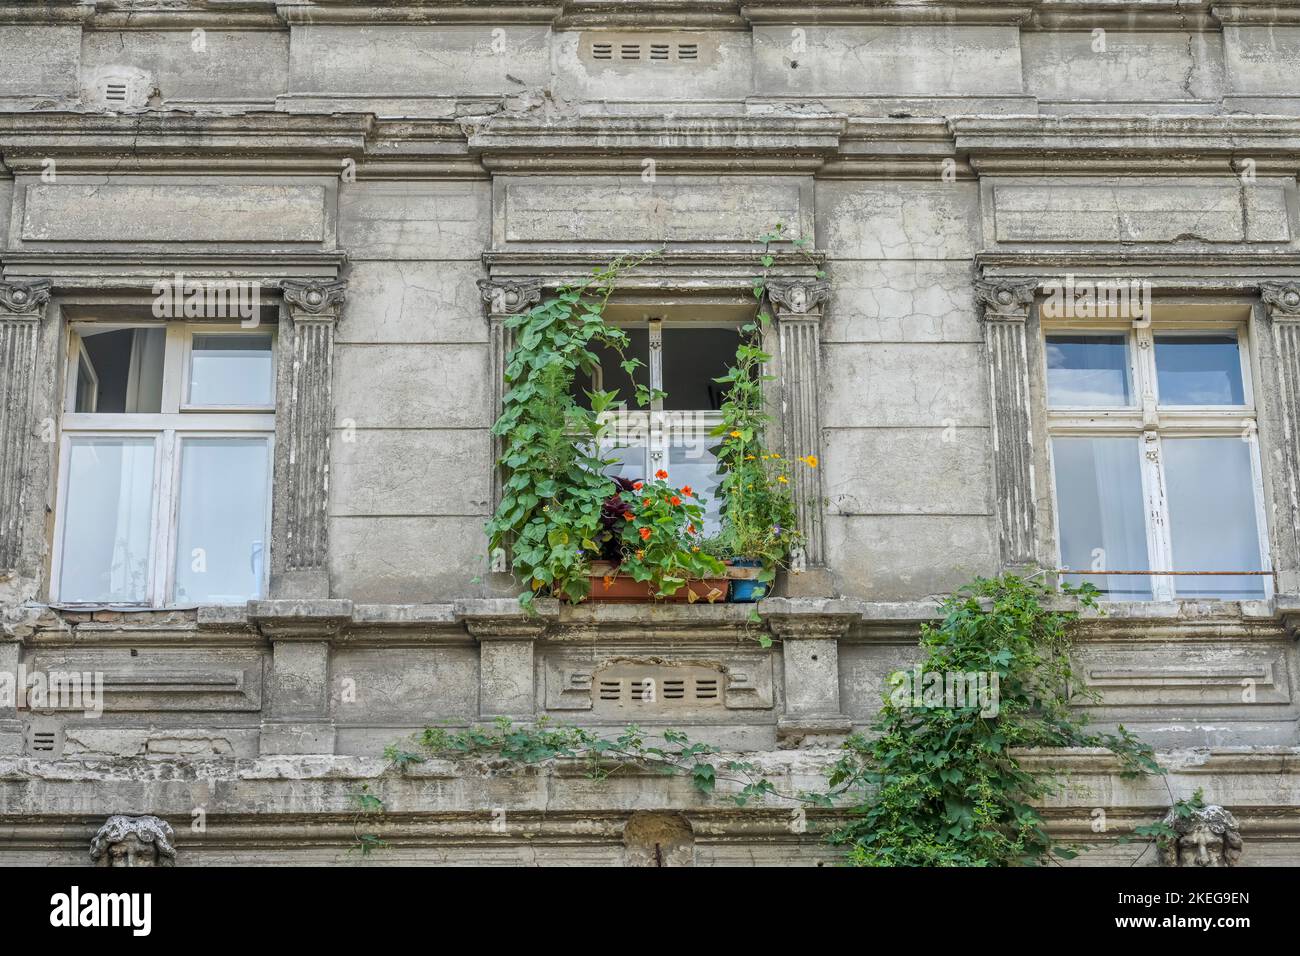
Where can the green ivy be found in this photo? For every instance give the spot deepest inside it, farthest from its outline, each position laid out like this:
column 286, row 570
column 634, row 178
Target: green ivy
column 549, row 517
column 939, row 785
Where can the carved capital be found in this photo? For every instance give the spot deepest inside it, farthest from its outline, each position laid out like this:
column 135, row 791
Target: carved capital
column 1282, row 298
column 24, row 298
column 798, row 296
column 510, row 296
column 316, row 297
column 1005, row 301
column 501, row 619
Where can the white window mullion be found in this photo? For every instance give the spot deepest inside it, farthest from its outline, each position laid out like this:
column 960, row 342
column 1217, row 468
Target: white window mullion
column 1159, row 546
column 165, row 533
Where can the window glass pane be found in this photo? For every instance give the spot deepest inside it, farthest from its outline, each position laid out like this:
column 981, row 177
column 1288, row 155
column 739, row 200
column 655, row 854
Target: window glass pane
column 1088, row 370
column 629, row 462
column 221, row 534
column 615, row 379
column 690, row 462
column 107, row 520
column 121, row 371
column 1199, row 370
column 231, row 370
column 1212, row 516
column 1099, row 505
column 693, row 358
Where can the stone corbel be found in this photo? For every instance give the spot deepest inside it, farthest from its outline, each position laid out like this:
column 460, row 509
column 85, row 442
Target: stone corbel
column 1005, row 312
column 810, row 635
column 300, row 566
column 507, row 636
column 797, row 307
column 22, row 307
column 297, row 717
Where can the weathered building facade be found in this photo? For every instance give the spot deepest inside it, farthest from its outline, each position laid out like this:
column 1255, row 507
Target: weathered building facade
column 256, row 261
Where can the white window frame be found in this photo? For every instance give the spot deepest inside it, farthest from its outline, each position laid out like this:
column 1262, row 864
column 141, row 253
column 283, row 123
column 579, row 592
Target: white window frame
column 689, row 425
column 1150, row 422
column 168, row 428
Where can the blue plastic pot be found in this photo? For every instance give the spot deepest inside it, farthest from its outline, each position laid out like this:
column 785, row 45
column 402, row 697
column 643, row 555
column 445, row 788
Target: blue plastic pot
column 747, row 591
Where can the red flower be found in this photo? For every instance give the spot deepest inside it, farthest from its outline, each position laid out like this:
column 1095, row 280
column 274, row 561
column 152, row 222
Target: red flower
column 661, row 474
column 645, row 534
column 636, row 485
column 674, row 501
column 645, row 503
column 690, row 529
column 686, row 490
column 627, row 515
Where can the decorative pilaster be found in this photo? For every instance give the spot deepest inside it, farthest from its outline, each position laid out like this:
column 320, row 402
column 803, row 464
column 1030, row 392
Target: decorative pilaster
column 1283, row 302
column 503, row 298
column 297, row 717
column 303, row 423
column 797, row 306
column 1006, row 309
column 810, row 655
column 22, row 307
column 506, row 637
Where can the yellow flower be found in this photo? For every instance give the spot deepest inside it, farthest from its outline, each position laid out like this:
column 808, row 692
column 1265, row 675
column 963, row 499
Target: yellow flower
column 809, row 460
column 735, row 434
column 775, row 455
column 783, row 479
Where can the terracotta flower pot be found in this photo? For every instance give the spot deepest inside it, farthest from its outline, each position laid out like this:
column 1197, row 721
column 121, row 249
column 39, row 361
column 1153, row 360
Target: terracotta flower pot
column 610, row 587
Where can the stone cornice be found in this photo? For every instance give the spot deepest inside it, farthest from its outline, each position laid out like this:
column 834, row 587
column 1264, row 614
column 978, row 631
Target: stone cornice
column 698, row 144
column 1008, row 12
column 447, row 11
column 1256, row 13
column 173, row 140
column 1122, row 15
column 120, row 15
column 651, row 14
column 46, row 12
column 1092, row 145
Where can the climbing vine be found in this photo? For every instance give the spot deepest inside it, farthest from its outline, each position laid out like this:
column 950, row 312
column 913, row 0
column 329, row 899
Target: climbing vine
column 941, row 785
column 935, row 782
column 549, row 517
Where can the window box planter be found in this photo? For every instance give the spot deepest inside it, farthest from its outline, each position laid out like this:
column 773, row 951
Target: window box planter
column 746, row 588
column 610, row 587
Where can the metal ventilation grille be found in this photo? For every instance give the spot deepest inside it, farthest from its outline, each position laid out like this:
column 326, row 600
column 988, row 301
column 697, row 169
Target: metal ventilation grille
column 650, row 688
column 115, row 92
column 631, row 48
column 44, row 741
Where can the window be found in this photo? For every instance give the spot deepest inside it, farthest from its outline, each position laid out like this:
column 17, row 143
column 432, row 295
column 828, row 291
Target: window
column 164, row 484
column 681, row 359
column 1155, row 461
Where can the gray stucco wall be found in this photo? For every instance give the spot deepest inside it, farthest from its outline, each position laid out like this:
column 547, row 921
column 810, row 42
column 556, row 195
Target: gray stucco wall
column 927, row 151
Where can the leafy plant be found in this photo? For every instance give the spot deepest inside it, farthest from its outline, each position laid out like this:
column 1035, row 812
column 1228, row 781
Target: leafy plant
column 672, row 753
column 759, row 516
column 939, row 785
column 549, row 516
column 660, row 528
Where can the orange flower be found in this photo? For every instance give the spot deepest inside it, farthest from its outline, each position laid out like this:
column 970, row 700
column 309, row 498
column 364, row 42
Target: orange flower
column 645, row 534
column 640, row 555
column 645, row 503
column 628, row 516
column 674, row 501
column 686, row 490
column 636, row 485
column 690, row 529
column 661, row 474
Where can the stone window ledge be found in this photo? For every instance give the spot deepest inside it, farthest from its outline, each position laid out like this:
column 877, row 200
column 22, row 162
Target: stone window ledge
column 382, row 624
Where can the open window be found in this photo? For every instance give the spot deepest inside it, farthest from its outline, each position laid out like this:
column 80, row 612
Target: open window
column 1155, row 457
column 165, row 464
column 682, row 354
